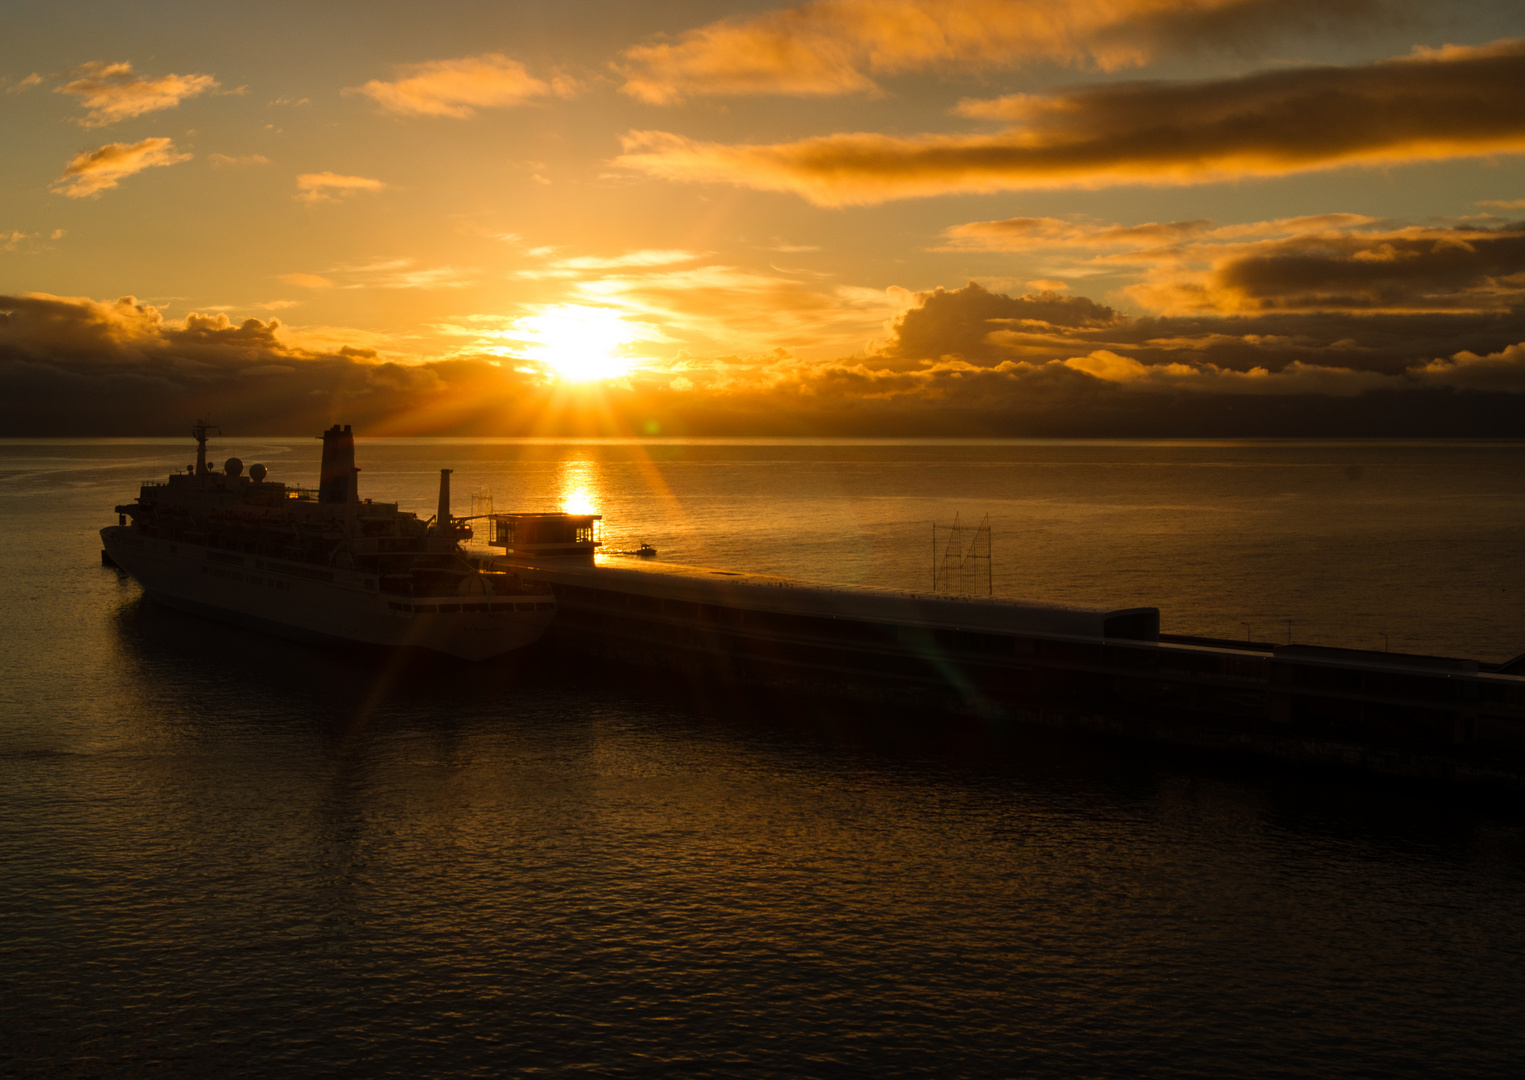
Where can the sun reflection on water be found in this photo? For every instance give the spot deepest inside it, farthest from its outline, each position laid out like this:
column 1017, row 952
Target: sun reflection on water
column 579, row 488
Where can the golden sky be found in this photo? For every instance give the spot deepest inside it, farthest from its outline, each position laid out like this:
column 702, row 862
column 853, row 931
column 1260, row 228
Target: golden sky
column 1051, row 217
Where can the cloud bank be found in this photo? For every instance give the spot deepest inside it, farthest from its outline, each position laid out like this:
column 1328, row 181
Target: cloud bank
column 1432, row 105
column 957, row 362
column 830, row 47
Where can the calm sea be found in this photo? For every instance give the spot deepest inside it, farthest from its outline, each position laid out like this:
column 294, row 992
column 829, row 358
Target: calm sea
column 226, row 855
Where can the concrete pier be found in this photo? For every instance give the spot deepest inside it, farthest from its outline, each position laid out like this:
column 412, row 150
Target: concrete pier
column 1090, row 669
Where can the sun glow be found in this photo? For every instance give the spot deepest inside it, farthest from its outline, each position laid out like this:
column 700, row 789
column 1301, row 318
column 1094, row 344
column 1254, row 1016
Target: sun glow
column 579, row 343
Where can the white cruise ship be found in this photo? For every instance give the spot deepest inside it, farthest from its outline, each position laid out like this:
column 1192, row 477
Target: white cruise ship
column 321, row 565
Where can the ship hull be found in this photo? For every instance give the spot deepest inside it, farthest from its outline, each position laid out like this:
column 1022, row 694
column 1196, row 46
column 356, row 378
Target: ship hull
column 317, row 604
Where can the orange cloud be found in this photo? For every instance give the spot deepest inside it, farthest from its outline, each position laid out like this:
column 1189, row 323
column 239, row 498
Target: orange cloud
column 709, row 308
column 700, row 306
column 111, row 92
column 458, row 87
column 1046, row 233
column 331, row 186
column 1432, row 105
column 1500, row 371
column 1031, row 234
column 581, row 265
column 95, row 171
column 306, row 281
column 642, row 258
column 30, row 243
column 403, row 274
column 831, row 46
column 384, row 274
column 219, row 160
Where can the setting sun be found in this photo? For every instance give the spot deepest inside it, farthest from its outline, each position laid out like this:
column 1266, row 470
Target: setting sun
column 578, row 343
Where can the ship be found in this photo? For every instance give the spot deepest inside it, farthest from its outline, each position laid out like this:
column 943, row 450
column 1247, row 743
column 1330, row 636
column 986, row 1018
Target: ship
column 321, row 565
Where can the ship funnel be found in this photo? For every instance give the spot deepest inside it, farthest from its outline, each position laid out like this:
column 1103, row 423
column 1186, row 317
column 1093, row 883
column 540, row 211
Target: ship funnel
column 199, row 432
column 337, row 483
column 442, row 515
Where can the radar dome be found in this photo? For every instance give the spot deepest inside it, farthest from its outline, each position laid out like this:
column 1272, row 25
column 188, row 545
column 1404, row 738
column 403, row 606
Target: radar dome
column 257, row 473
column 233, row 466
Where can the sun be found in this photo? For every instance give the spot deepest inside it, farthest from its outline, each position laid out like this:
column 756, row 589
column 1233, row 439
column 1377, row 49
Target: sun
column 579, row 343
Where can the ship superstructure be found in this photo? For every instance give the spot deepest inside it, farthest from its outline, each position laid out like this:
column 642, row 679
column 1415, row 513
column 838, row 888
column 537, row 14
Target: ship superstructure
column 321, row 564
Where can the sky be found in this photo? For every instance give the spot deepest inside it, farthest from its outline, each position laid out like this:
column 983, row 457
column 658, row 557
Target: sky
column 1084, row 218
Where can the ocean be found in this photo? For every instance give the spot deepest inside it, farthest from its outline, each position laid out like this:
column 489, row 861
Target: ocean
column 228, row 855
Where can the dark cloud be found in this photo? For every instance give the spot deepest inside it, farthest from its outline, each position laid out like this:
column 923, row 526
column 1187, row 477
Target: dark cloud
column 959, row 323
column 1386, row 343
column 1246, row 26
column 1328, row 262
column 1055, row 400
column 78, row 366
column 252, row 336
column 985, row 328
column 1421, row 268
column 1431, row 105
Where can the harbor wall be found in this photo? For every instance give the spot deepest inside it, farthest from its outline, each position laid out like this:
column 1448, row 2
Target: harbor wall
column 1082, row 670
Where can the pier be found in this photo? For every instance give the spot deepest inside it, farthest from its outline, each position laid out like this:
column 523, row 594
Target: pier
column 1110, row 672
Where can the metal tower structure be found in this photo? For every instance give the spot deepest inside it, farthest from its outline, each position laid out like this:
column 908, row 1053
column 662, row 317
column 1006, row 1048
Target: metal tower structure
column 957, row 555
